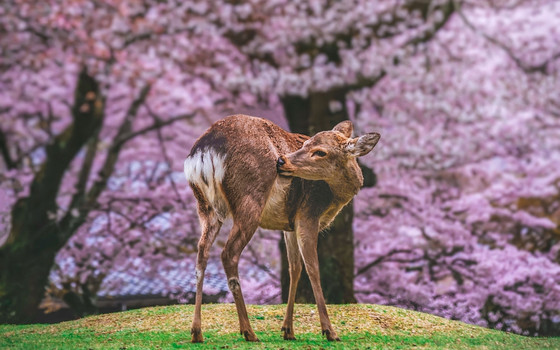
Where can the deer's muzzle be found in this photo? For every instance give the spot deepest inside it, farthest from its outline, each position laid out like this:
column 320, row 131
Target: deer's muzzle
column 280, row 166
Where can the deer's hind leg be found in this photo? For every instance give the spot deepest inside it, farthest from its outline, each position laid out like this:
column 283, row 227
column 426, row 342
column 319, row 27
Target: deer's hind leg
column 239, row 236
column 210, row 224
column 294, row 262
column 246, row 201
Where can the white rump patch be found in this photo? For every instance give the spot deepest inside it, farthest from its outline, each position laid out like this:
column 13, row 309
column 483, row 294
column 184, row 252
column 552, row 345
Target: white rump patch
column 206, row 170
column 207, row 164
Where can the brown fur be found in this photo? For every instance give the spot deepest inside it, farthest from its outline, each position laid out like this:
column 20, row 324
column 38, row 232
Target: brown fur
column 301, row 197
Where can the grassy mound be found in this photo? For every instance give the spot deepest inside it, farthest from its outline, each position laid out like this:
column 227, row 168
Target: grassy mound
column 359, row 327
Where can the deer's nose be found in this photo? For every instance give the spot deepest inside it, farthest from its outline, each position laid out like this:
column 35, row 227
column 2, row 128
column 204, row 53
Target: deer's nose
column 280, row 162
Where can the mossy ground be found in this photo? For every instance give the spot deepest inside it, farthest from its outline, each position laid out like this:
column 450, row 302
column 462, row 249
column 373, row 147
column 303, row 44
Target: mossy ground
column 359, row 327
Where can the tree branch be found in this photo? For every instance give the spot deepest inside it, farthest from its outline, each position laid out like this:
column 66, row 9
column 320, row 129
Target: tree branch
column 78, row 197
column 529, row 69
column 369, row 81
column 156, row 125
column 363, row 81
column 124, row 135
column 30, row 215
column 381, row 259
column 82, row 202
column 10, row 164
column 166, row 158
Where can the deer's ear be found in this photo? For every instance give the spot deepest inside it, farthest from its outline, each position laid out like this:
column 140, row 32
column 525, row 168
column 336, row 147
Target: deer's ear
column 360, row 146
column 345, row 128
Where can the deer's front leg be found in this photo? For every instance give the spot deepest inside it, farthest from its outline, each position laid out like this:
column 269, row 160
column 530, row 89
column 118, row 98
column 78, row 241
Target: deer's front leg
column 307, row 234
column 294, row 261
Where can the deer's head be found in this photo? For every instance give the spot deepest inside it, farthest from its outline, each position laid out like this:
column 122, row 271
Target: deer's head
column 326, row 154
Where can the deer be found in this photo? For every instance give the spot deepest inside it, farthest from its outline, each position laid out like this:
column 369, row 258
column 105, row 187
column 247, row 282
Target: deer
column 258, row 174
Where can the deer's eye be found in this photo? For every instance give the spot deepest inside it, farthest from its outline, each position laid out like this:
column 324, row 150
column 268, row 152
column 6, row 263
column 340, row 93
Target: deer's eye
column 318, row 153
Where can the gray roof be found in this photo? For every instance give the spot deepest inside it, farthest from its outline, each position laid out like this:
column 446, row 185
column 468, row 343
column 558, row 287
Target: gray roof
column 176, row 282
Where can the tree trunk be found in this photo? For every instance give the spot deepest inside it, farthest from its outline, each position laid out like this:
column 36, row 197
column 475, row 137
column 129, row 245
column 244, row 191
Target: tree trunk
column 25, row 274
column 35, row 236
column 309, row 115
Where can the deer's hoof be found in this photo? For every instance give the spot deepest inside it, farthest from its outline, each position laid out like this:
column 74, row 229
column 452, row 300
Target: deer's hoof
column 331, row 335
column 288, row 333
column 196, row 335
column 289, row 337
column 250, row 336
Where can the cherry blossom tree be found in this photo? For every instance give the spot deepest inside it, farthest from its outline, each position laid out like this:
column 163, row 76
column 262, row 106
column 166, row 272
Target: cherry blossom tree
column 464, row 221
column 88, row 93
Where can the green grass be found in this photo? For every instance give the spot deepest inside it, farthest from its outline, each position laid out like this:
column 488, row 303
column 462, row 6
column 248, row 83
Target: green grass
column 359, row 327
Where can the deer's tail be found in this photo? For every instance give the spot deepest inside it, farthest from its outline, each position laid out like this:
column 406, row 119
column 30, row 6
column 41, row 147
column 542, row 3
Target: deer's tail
column 205, row 169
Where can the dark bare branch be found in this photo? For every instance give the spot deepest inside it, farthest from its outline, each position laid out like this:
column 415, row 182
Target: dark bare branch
column 447, row 10
column 78, row 197
column 10, row 163
column 31, row 215
column 82, row 202
column 156, row 125
column 524, row 66
column 382, row 259
column 167, row 159
column 114, row 150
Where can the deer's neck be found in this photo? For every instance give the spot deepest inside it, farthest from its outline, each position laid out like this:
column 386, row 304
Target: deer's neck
column 347, row 185
column 343, row 189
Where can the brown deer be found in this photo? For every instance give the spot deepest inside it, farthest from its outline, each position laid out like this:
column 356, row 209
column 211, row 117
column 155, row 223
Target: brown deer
column 258, row 174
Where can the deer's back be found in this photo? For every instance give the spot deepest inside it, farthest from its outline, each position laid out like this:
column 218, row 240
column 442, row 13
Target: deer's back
column 234, row 165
